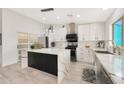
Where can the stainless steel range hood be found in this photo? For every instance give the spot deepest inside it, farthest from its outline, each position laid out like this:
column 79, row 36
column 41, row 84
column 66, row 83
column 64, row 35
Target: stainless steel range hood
column 72, row 28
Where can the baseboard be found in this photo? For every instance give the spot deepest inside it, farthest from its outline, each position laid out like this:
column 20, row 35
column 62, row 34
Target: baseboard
column 4, row 65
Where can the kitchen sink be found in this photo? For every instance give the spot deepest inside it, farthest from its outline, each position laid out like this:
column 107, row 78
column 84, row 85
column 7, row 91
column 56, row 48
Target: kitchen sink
column 104, row 52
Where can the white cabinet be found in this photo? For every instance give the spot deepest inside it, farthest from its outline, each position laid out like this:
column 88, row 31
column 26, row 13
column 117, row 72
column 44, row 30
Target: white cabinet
column 84, row 32
column 97, row 31
column 85, row 55
column 91, row 32
column 24, row 58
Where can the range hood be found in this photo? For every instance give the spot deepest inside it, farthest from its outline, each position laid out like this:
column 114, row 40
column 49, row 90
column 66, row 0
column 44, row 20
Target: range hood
column 72, row 28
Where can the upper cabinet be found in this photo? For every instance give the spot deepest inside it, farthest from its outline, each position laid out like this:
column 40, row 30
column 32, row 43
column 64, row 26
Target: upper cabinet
column 87, row 32
column 91, row 32
column 97, row 31
column 84, row 32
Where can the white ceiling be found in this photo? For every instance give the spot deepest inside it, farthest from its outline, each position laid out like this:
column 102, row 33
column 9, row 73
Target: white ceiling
column 59, row 15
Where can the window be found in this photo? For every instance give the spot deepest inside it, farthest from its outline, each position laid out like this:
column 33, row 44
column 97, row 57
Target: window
column 118, row 33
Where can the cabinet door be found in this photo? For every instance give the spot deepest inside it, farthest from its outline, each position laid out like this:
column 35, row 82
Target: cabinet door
column 44, row 62
column 100, row 31
column 94, row 33
column 84, row 32
column 85, row 55
column 91, row 32
column 37, row 61
column 104, row 77
column 97, row 31
column 51, row 64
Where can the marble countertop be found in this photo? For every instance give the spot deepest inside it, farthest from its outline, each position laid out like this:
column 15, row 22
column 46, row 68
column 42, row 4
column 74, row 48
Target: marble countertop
column 100, row 49
column 114, row 65
column 63, row 59
column 55, row 51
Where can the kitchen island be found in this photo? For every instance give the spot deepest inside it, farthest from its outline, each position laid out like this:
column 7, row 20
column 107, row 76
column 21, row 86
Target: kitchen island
column 51, row 60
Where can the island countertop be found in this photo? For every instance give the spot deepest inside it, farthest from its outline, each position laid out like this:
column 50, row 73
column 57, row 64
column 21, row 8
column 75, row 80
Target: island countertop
column 54, row 51
column 114, row 65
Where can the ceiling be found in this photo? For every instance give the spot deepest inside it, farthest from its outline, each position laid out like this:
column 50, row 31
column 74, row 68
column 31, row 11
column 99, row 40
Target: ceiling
column 59, row 15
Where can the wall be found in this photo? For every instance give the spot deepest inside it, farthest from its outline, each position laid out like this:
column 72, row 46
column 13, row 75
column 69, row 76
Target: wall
column 12, row 23
column 0, row 32
column 0, row 20
column 58, row 36
column 118, row 13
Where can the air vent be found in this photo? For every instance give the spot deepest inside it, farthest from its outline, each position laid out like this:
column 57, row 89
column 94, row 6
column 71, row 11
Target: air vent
column 47, row 9
column 70, row 15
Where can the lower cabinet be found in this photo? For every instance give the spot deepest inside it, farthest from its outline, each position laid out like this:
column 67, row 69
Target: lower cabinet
column 85, row 55
column 24, row 62
column 44, row 62
column 105, row 79
column 101, row 73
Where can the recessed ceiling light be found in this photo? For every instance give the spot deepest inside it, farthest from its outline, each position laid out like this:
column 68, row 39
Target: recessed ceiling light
column 44, row 18
column 104, row 8
column 58, row 17
column 78, row 16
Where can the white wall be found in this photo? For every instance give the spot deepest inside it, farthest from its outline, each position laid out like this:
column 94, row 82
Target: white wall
column 0, row 32
column 12, row 23
column 0, row 20
column 58, row 36
column 118, row 13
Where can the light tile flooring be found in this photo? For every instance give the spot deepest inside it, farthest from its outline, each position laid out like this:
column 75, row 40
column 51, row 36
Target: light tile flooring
column 75, row 73
column 14, row 74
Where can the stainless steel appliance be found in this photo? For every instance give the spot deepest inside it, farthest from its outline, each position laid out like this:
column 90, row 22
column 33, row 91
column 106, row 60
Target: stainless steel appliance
column 72, row 39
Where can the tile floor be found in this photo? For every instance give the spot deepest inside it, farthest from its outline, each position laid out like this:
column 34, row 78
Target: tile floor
column 14, row 74
column 75, row 74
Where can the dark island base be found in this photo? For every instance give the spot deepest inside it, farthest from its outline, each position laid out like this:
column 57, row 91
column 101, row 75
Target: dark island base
column 43, row 62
